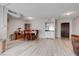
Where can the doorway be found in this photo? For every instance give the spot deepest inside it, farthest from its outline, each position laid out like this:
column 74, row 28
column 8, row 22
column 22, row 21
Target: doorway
column 65, row 30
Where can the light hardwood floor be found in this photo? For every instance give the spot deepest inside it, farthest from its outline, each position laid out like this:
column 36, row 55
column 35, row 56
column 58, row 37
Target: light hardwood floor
column 41, row 47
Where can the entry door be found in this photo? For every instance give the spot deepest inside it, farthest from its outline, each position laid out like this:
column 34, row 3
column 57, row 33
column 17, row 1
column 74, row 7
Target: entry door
column 65, row 30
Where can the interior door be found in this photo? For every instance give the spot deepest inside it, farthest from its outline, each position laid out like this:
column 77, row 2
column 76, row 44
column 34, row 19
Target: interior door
column 65, row 30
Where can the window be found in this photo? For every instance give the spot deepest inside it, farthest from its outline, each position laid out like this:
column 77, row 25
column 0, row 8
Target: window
column 27, row 26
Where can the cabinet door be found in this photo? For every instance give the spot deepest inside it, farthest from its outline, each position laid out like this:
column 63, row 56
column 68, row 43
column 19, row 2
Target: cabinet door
column 50, row 34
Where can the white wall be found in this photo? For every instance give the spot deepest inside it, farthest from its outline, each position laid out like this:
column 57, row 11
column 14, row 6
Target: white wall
column 3, row 22
column 75, row 26
column 39, row 24
column 58, row 27
column 14, row 24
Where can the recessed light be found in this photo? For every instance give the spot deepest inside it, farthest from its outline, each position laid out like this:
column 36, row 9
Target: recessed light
column 68, row 13
column 29, row 17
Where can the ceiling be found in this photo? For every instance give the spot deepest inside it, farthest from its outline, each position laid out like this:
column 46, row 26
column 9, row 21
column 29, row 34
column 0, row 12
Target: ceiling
column 48, row 10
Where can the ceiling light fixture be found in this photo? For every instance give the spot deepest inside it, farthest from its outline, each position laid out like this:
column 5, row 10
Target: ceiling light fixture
column 68, row 13
column 29, row 17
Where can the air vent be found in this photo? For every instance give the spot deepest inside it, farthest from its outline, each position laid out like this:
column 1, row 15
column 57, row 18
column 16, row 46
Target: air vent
column 15, row 14
column 12, row 11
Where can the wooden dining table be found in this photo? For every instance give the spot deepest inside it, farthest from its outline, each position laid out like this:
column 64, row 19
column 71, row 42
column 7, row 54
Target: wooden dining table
column 30, row 34
column 27, row 35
